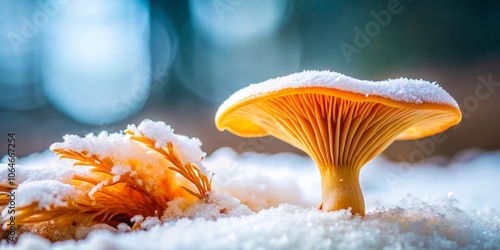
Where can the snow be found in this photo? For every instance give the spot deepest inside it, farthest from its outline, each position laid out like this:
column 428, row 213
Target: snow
column 97, row 188
column 261, row 182
column 41, row 179
column 119, row 170
column 437, row 204
column 116, row 146
column 42, row 166
column 217, row 206
column 47, row 193
column 188, row 149
column 402, row 89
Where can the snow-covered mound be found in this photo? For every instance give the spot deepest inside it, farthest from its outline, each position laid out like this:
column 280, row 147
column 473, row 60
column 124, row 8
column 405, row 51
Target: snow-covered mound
column 432, row 205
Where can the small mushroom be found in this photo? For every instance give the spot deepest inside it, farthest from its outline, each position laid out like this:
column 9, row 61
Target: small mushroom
column 339, row 121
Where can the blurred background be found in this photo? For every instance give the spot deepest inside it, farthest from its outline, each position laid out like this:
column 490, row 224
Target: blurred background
column 81, row 66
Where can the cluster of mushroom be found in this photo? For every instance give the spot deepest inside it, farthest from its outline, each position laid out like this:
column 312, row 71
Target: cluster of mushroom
column 340, row 122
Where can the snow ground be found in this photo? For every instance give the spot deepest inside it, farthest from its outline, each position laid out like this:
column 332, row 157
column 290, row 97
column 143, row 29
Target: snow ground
column 437, row 204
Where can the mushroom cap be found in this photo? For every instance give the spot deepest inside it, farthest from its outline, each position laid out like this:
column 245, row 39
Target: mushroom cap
column 402, row 93
column 338, row 120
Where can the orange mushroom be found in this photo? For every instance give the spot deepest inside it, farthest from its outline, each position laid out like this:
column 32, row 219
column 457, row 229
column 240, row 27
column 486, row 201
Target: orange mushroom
column 339, row 121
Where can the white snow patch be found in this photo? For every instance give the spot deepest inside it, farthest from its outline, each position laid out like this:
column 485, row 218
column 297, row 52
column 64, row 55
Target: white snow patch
column 261, row 181
column 123, row 227
column 119, row 170
column 116, row 146
column 150, row 222
column 48, row 193
column 402, row 89
column 97, row 187
column 137, row 218
column 144, row 223
column 187, row 149
column 217, row 206
column 37, row 166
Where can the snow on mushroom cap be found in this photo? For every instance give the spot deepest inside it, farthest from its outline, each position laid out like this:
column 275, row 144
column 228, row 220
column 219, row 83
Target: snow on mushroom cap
column 188, row 149
column 402, row 89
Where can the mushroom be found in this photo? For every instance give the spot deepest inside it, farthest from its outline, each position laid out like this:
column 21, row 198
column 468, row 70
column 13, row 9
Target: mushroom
column 339, row 121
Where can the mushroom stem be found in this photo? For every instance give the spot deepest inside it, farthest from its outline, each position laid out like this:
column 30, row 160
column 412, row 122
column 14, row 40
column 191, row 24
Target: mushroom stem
column 340, row 190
